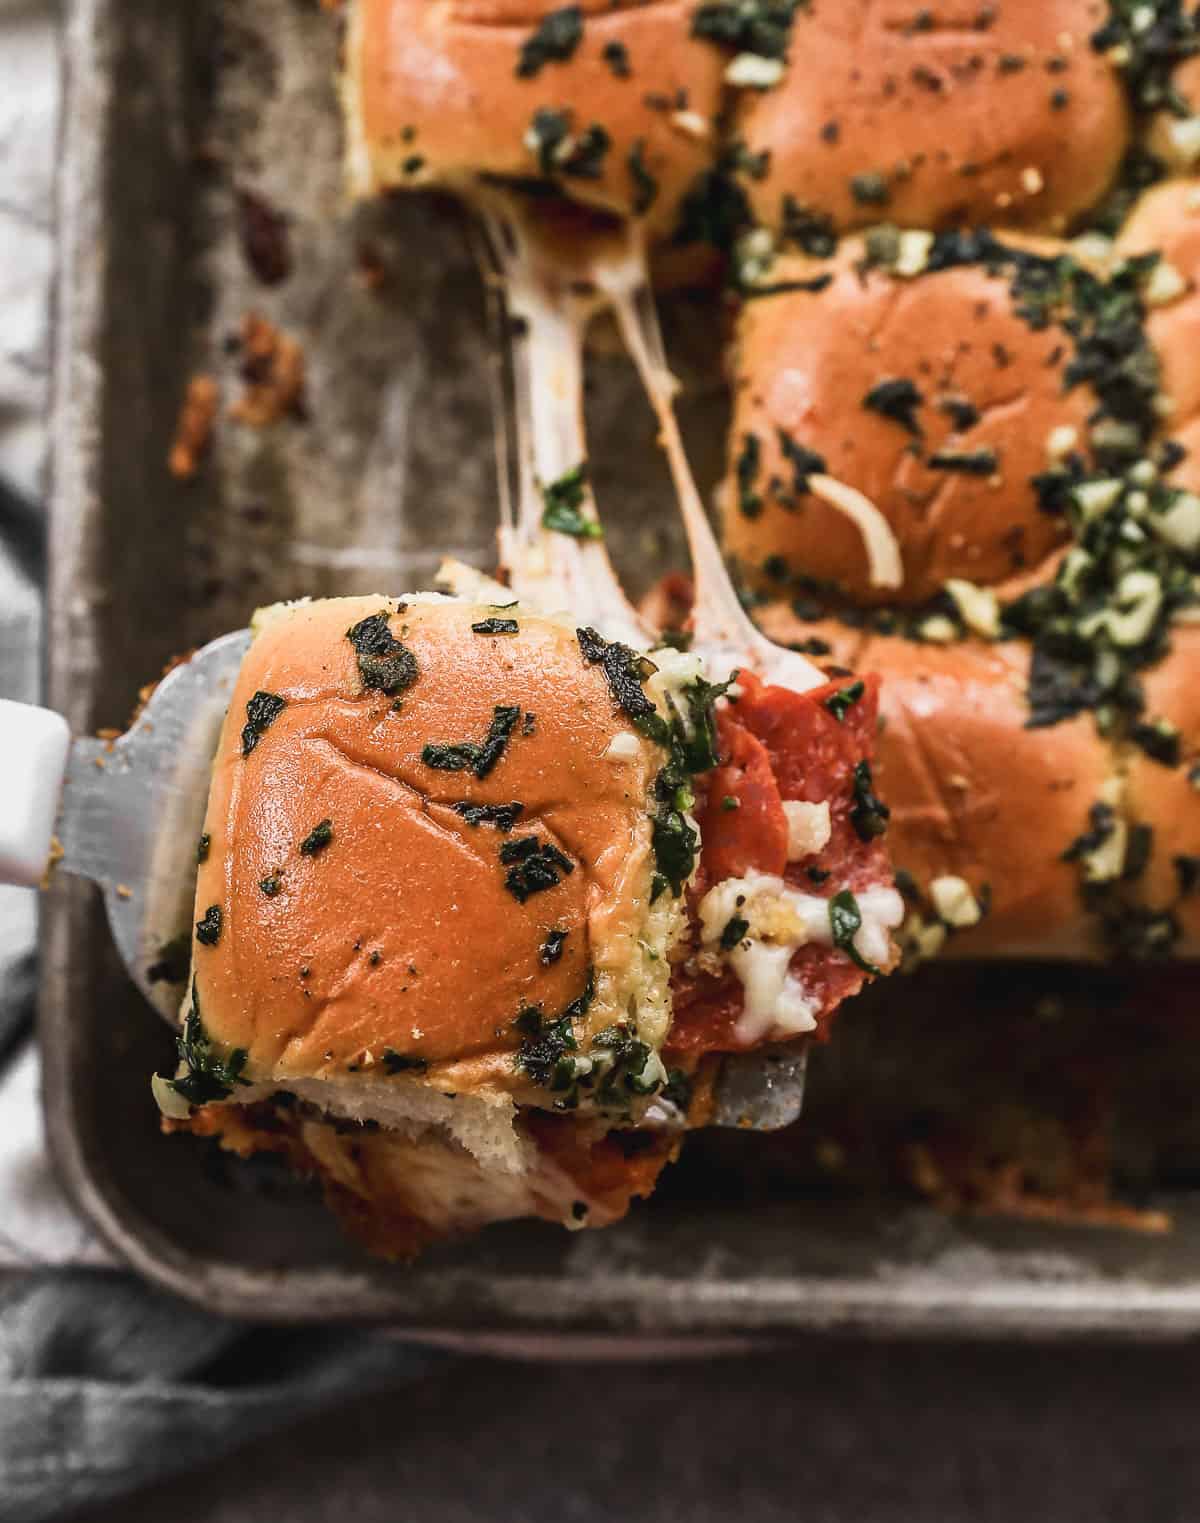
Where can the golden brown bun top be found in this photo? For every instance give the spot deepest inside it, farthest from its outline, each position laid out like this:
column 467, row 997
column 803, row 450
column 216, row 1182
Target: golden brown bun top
column 434, row 97
column 399, row 933
column 806, row 362
column 993, row 114
column 973, row 792
column 1166, row 221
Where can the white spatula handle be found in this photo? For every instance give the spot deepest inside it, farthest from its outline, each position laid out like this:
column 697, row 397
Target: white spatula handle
column 33, row 757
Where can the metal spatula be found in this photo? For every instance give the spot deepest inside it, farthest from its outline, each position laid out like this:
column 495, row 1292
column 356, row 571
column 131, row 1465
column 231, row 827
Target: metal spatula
column 128, row 813
column 124, row 813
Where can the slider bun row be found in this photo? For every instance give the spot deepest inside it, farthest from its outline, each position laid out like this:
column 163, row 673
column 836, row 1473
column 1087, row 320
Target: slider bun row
column 971, row 113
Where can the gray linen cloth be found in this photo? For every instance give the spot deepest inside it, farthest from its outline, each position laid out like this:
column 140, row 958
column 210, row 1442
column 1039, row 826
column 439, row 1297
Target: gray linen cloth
column 105, row 1385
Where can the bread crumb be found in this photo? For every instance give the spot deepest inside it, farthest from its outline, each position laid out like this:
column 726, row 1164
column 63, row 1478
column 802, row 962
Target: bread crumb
column 273, row 371
column 193, row 431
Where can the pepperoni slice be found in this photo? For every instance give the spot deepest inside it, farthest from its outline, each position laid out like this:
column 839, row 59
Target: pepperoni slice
column 742, row 825
column 778, row 745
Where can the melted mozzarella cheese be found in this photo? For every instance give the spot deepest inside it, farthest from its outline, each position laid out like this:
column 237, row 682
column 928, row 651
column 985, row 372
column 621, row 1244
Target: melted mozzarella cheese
column 780, row 919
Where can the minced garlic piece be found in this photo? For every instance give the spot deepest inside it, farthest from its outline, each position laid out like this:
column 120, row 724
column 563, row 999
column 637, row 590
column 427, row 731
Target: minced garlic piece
column 808, row 828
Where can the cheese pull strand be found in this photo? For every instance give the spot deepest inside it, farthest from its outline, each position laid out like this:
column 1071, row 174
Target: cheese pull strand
column 723, row 630
column 541, row 329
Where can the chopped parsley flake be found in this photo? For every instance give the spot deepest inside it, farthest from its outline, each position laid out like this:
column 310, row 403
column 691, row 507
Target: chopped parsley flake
column 619, row 1066
column 870, row 189
column 563, row 506
column 676, row 847
column 1147, row 39
column 748, row 26
column 845, row 920
column 261, row 713
column 1103, row 823
column 203, row 846
column 627, row 1060
column 1139, row 848
column 533, row 867
column 466, row 756
column 963, row 414
column 208, row 929
column 384, row 664
column 496, row 627
column 735, row 931
column 209, row 1077
column 554, row 41
column 1159, row 739
column 545, row 1054
column 803, row 461
column 616, row 56
column 1187, row 872
column 559, row 151
column 272, row 886
column 645, row 186
column 502, row 816
column 749, row 464
column 810, row 230
column 691, row 742
column 975, row 462
column 551, row 950
column 898, row 400
column 317, row 839
column 843, row 701
column 1143, row 934
column 715, row 210
column 870, row 814
column 624, row 671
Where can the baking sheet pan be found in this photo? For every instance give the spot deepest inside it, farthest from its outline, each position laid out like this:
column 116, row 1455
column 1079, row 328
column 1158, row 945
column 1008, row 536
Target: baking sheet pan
column 175, row 108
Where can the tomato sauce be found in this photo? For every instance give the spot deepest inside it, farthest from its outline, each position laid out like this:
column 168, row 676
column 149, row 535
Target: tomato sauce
column 778, row 745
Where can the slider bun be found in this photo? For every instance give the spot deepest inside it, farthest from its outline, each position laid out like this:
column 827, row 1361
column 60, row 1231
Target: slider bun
column 438, row 84
column 974, row 793
column 1164, row 797
column 400, row 934
column 1166, row 221
column 804, row 363
column 943, row 119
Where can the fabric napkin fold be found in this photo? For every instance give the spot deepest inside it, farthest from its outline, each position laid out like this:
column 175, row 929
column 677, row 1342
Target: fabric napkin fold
column 106, row 1386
